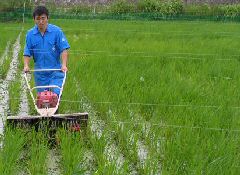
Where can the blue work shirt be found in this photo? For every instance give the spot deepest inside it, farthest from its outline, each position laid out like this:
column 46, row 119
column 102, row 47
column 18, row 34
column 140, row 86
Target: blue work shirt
column 46, row 51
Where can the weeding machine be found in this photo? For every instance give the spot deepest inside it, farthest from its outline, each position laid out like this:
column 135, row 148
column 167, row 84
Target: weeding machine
column 46, row 104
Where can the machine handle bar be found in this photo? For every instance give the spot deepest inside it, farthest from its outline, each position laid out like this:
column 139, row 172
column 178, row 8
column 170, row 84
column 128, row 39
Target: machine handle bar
column 43, row 70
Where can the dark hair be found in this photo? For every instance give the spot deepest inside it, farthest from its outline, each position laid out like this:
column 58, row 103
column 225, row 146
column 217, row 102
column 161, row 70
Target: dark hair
column 40, row 10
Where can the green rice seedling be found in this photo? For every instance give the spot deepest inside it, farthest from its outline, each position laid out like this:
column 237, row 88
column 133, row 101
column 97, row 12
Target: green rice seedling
column 162, row 63
column 104, row 157
column 5, row 67
column 97, row 147
column 8, row 38
column 70, row 96
column 113, row 159
column 10, row 32
column 127, row 135
column 32, row 110
column 15, row 90
column 180, row 77
column 104, row 166
column 14, row 94
column 38, row 149
column 72, row 152
column 13, row 145
column 89, row 163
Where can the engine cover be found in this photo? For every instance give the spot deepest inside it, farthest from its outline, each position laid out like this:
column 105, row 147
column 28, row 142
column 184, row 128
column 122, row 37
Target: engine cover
column 47, row 99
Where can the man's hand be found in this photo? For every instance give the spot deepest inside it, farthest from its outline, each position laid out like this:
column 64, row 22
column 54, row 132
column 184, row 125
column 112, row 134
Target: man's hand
column 64, row 61
column 26, row 69
column 26, row 63
column 64, row 68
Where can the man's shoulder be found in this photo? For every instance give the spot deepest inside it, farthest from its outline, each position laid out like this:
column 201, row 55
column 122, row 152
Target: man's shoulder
column 54, row 28
column 30, row 31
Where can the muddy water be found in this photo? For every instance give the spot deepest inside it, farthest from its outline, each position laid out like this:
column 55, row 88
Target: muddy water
column 53, row 161
column 23, row 108
column 11, row 74
column 111, row 150
column 142, row 152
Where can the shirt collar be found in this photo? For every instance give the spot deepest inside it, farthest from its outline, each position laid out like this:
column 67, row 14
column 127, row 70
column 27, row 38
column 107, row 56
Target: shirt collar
column 35, row 30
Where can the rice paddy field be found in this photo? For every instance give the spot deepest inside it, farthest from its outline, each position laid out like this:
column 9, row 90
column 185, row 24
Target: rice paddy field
column 163, row 97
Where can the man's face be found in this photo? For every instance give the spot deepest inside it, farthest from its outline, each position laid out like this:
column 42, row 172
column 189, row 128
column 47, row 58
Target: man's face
column 41, row 21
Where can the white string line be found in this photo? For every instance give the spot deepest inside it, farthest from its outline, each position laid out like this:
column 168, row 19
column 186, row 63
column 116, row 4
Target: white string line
column 140, row 54
column 11, row 27
column 136, row 52
column 159, row 32
column 138, row 31
column 151, row 56
column 160, row 124
column 175, row 126
column 157, row 104
column 164, row 125
column 173, row 33
column 169, row 21
column 183, row 22
column 227, row 33
column 178, row 33
column 174, row 22
column 158, row 56
column 149, row 104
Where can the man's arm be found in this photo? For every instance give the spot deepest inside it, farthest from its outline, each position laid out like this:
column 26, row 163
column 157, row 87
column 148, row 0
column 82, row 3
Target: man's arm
column 64, row 60
column 63, row 47
column 28, row 53
column 26, row 63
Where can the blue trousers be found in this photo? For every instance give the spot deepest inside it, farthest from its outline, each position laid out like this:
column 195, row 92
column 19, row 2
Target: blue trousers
column 49, row 78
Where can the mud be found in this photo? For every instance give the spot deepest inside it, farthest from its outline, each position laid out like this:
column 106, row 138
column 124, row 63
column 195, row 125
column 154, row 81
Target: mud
column 53, row 161
column 23, row 107
column 111, row 151
column 4, row 94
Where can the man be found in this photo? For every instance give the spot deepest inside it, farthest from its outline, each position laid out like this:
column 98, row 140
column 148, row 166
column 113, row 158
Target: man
column 46, row 43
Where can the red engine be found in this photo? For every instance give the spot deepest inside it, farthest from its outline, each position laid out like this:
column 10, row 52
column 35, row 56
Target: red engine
column 47, row 99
